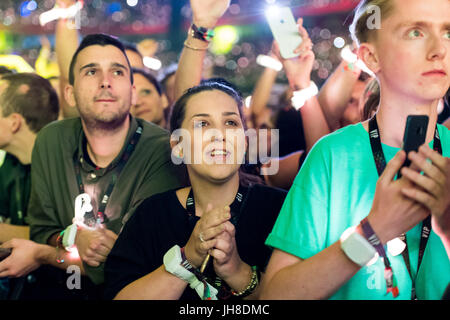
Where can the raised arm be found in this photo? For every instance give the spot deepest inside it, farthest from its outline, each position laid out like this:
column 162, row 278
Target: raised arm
column 205, row 13
column 298, row 72
column 261, row 92
column 337, row 91
column 66, row 43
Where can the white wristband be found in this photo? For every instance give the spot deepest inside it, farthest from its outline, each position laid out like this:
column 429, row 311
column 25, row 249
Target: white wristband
column 173, row 264
column 301, row 96
column 269, row 62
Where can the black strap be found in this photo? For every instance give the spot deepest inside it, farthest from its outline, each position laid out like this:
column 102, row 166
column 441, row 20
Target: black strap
column 235, row 207
column 380, row 162
column 101, row 218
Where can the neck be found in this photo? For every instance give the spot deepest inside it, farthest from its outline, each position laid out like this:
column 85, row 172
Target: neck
column 218, row 195
column 22, row 146
column 392, row 114
column 103, row 146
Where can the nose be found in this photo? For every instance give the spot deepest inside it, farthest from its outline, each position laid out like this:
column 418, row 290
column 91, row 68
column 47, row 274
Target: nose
column 438, row 49
column 105, row 83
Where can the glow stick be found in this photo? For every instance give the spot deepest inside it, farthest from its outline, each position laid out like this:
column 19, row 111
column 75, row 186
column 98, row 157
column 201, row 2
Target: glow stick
column 152, row 63
column 301, row 96
column 82, row 205
column 350, row 57
column 60, row 13
column 269, row 62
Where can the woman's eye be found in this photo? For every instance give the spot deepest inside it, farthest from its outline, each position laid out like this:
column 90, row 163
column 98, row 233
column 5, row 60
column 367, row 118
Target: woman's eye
column 90, row 72
column 447, row 34
column 200, row 124
column 231, row 123
column 118, row 73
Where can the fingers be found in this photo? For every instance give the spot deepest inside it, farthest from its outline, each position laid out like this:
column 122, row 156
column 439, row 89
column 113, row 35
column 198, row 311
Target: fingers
column 392, row 168
column 215, row 217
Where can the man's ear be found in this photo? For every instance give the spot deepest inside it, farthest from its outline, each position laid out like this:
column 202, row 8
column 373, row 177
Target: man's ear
column 16, row 121
column 69, row 95
column 368, row 54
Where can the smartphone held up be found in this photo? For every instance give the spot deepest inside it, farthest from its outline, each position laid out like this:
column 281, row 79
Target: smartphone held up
column 284, row 29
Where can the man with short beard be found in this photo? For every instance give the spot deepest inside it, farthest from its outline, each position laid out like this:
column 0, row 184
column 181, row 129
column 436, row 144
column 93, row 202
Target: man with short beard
column 114, row 158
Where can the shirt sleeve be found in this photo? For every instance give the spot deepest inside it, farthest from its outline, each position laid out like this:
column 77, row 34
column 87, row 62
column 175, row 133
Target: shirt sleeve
column 302, row 226
column 162, row 175
column 43, row 219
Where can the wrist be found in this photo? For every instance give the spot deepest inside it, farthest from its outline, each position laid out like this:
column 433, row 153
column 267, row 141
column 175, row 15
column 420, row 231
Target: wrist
column 191, row 257
column 379, row 229
column 300, row 84
column 205, row 23
column 44, row 254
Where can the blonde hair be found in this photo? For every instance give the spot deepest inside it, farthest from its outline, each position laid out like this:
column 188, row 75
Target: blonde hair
column 359, row 29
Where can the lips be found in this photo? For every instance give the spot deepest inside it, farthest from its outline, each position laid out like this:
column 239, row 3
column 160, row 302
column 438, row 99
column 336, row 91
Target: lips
column 436, row 72
column 218, row 153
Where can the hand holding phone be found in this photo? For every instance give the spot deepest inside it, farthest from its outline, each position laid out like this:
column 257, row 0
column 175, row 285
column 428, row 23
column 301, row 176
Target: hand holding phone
column 4, row 253
column 414, row 136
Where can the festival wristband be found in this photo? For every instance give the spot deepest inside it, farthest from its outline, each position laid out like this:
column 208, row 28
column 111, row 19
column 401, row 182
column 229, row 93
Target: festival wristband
column 202, row 33
column 369, row 233
column 300, row 97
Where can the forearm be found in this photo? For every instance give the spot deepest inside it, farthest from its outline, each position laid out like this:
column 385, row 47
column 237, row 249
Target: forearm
column 157, row 285
column 50, row 255
column 190, row 66
column 318, row 277
column 261, row 93
column 66, row 43
column 315, row 125
column 336, row 92
column 8, row 232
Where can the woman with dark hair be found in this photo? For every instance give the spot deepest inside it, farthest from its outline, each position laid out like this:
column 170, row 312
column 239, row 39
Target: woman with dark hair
column 205, row 241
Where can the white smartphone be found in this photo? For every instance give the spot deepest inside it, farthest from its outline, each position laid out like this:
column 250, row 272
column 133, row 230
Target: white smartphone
column 284, row 29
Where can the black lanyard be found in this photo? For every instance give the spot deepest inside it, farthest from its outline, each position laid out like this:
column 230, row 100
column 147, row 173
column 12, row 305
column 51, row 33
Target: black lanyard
column 235, row 207
column 101, row 218
column 380, row 162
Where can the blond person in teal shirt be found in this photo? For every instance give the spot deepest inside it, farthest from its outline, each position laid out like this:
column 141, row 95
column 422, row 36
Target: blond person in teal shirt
column 338, row 185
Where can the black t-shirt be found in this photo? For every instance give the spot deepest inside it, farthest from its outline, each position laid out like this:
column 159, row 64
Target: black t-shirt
column 160, row 222
column 15, row 185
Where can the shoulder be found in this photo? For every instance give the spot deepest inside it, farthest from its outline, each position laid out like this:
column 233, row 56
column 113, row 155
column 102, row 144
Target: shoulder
column 66, row 130
column 344, row 137
column 152, row 131
column 157, row 203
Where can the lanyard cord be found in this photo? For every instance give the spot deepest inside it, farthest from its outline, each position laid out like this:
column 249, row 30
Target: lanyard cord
column 380, row 162
column 101, row 218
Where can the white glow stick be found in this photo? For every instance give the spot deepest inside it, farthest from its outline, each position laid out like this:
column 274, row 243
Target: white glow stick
column 350, row 57
column 300, row 97
column 152, row 63
column 269, row 62
column 60, row 13
column 82, row 205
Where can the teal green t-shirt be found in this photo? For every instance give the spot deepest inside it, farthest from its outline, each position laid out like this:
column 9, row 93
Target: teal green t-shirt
column 334, row 190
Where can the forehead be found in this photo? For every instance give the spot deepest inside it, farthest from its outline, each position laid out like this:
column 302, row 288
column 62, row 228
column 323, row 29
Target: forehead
column 141, row 81
column 101, row 55
column 211, row 102
column 432, row 11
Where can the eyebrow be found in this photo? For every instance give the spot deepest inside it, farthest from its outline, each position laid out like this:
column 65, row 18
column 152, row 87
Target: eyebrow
column 113, row 65
column 207, row 115
column 446, row 26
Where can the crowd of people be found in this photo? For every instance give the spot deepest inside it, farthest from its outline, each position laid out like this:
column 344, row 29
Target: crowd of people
column 115, row 185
